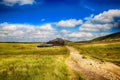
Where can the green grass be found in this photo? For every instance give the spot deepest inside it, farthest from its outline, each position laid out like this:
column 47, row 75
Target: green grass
column 22, row 49
column 102, row 51
column 19, row 61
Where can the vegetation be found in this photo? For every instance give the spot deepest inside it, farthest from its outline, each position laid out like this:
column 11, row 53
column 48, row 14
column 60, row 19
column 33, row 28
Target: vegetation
column 28, row 49
column 20, row 61
column 25, row 61
column 102, row 51
column 111, row 37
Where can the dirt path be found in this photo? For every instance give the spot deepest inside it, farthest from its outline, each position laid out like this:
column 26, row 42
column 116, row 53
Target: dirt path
column 92, row 69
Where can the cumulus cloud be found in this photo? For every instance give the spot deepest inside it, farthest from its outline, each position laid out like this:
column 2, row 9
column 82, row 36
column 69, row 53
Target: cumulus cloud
column 9, row 27
column 95, row 27
column 19, row 2
column 107, row 16
column 80, row 36
column 102, row 22
column 33, row 33
column 64, row 31
column 77, row 36
column 26, row 32
column 46, row 27
column 69, row 23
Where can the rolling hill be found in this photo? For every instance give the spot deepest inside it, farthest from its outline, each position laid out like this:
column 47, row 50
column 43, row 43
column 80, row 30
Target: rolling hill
column 111, row 37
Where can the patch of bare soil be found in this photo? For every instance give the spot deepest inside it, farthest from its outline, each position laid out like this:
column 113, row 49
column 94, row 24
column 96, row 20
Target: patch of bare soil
column 91, row 69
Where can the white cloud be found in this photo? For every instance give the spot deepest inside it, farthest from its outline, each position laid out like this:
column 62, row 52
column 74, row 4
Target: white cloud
column 100, row 22
column 69, row 23
column 47, row 27
column 64, row 31
column 90, row 29
column 77, row 36
column 20, row 2
column 80, row 35
column 6, row 26
column 26, row 32
column 95, row 27
column 107, row 16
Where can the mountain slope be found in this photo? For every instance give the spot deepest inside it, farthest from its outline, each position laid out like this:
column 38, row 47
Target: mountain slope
column 111, row 37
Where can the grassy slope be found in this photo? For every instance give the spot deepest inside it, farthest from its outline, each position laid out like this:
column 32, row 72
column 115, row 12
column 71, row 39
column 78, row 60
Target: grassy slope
column 19, row 61
column 103, row 51
column 111, row 37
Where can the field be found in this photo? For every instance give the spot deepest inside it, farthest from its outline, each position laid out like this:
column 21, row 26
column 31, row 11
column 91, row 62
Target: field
column 103, row 51
column 24, row 61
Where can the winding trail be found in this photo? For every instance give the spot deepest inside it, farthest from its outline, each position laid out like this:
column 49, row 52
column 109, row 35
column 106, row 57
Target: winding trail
column 91, row 69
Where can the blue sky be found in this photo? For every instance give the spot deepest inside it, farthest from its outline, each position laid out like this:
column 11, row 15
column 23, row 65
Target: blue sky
column 42, row 20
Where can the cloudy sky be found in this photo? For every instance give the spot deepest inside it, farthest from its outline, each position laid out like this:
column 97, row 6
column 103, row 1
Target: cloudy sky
column 43, row 20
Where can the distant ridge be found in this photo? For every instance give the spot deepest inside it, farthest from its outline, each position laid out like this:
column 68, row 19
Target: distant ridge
column 111, row 37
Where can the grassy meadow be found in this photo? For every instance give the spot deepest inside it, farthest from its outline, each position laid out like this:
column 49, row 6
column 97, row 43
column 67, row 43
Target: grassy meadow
column 24, row 61
column 103, row 51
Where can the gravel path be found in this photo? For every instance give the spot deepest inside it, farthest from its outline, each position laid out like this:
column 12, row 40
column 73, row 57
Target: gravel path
column 91, row 69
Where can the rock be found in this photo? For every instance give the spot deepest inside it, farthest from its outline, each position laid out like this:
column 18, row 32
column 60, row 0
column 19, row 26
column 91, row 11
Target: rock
column 57, row 42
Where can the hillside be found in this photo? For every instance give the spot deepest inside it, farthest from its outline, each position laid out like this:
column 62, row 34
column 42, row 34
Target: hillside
column 111, row 37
